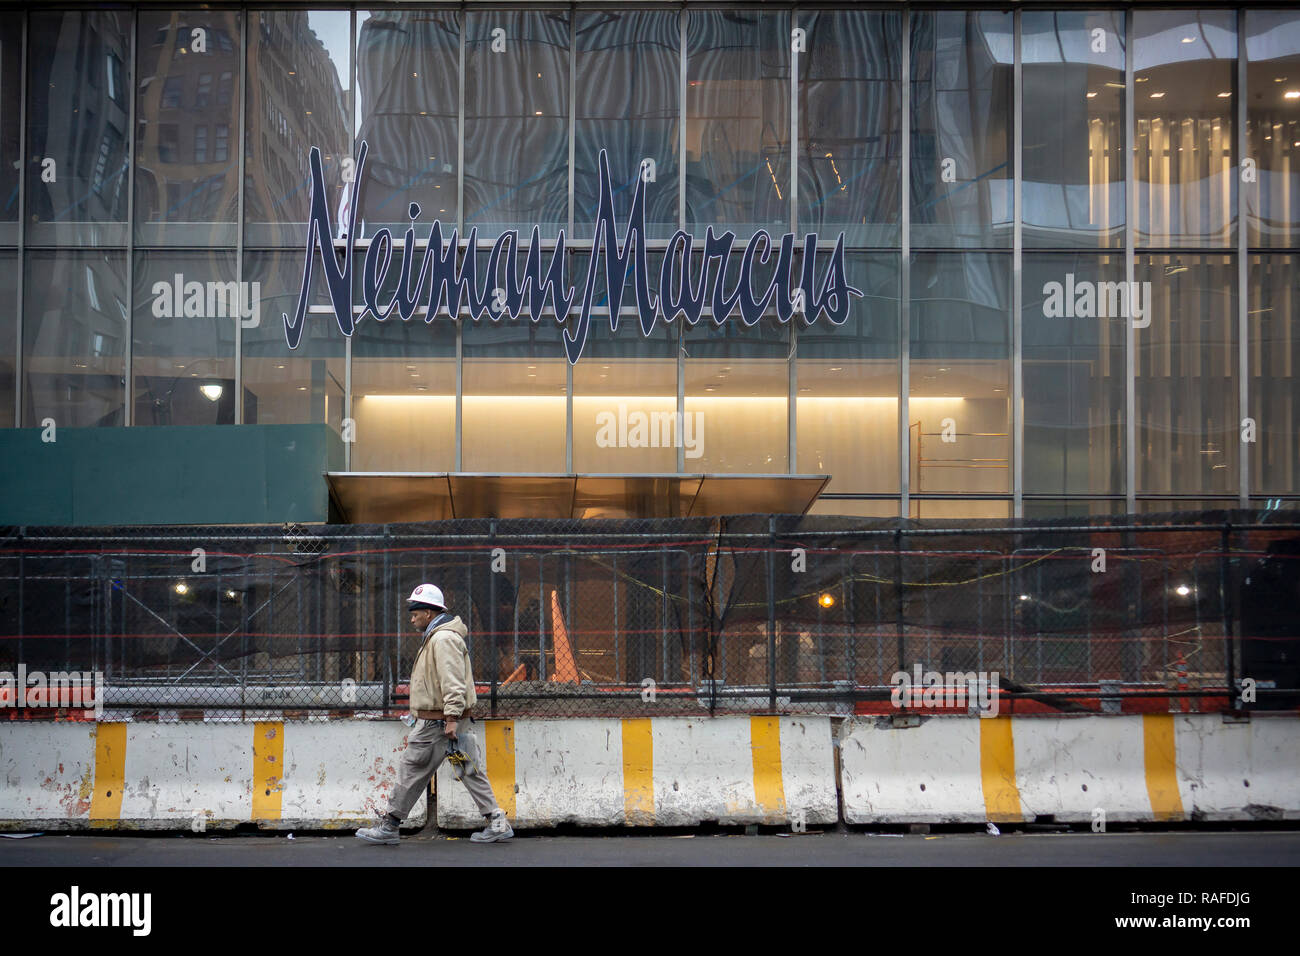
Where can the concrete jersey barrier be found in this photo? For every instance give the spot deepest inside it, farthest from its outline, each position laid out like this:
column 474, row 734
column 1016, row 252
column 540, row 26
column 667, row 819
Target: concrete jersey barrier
column 664, row 772
column 214, row 775
column 1150, row 768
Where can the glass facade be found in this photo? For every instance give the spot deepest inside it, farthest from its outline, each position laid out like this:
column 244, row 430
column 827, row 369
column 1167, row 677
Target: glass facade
column 1075, row 233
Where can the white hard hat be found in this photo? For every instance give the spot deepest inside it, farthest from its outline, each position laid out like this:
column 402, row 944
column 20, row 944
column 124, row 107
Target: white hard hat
column 426, row 595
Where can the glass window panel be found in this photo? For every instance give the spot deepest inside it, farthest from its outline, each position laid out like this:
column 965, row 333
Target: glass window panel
column 850, row 125
column 183, row 353
column 1274, row 357
column 1073, row 140
column 8, row 335
column 628, row 68
column 847, row 386
column 514, row 406
column 960, row 376
column 403, row 390
column 77, row 124
column 1073, row 374
column 178, row 200
column 11, row 56
column 284, row 386
column 738, row 388
column 1186, row 387
column 962, row 136
column 408, row 95
column 1273, row 126
column 625, row 398
column 738, row 121
column 516, row 121
column 299, row 66
column 1184, row 67
column 74, row 338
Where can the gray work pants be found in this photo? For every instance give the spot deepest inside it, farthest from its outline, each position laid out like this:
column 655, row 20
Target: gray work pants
column 426, row 748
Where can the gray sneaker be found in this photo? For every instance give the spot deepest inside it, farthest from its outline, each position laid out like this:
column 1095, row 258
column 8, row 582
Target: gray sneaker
column 382, row 833
column 498, row 829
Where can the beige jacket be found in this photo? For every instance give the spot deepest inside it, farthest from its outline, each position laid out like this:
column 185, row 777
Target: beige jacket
column 441, row 678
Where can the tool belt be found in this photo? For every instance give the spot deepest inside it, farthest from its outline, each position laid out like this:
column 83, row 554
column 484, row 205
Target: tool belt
column 438, row 715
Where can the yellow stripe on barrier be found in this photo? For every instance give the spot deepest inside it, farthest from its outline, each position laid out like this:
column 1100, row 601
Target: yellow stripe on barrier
column 499, row 739
column 1160, row 756
column 638, row 772
column 769, row 789
column 268, row 769
column 110, row 774
column 998, row 770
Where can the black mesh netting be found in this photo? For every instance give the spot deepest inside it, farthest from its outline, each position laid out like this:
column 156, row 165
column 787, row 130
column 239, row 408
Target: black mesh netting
column 655, row 617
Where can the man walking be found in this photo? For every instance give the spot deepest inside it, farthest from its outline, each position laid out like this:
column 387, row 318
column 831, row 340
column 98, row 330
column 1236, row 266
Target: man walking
column 442, row 698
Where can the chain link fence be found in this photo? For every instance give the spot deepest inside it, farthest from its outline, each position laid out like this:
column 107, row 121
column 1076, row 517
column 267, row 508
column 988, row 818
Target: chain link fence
column 658, row 617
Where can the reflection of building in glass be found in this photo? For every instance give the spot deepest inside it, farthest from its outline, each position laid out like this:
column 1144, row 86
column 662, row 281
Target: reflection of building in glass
column 77, row 123
column 738, row 118
column 187, row 123
column 74, row 326
column 961, row 126
column 11, row 55
column 407, row 83
column 627, row 76
column 296, row 100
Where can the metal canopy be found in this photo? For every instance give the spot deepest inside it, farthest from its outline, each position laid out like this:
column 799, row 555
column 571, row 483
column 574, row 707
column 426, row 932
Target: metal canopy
column 388, row 497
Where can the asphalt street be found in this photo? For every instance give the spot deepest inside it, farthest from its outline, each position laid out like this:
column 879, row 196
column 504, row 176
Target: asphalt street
column 812, row 849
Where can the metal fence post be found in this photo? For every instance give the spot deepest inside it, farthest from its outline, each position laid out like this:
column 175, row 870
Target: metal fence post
column 1225, row 602
column 22, row 609
column 494, row 658
column 771, row 615
column 898, row 596
column 388, row 594
column 541, row 616
column 847, row 578
column 662, row 668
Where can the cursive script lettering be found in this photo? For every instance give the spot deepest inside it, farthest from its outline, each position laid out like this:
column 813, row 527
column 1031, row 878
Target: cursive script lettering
column 444, row 284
